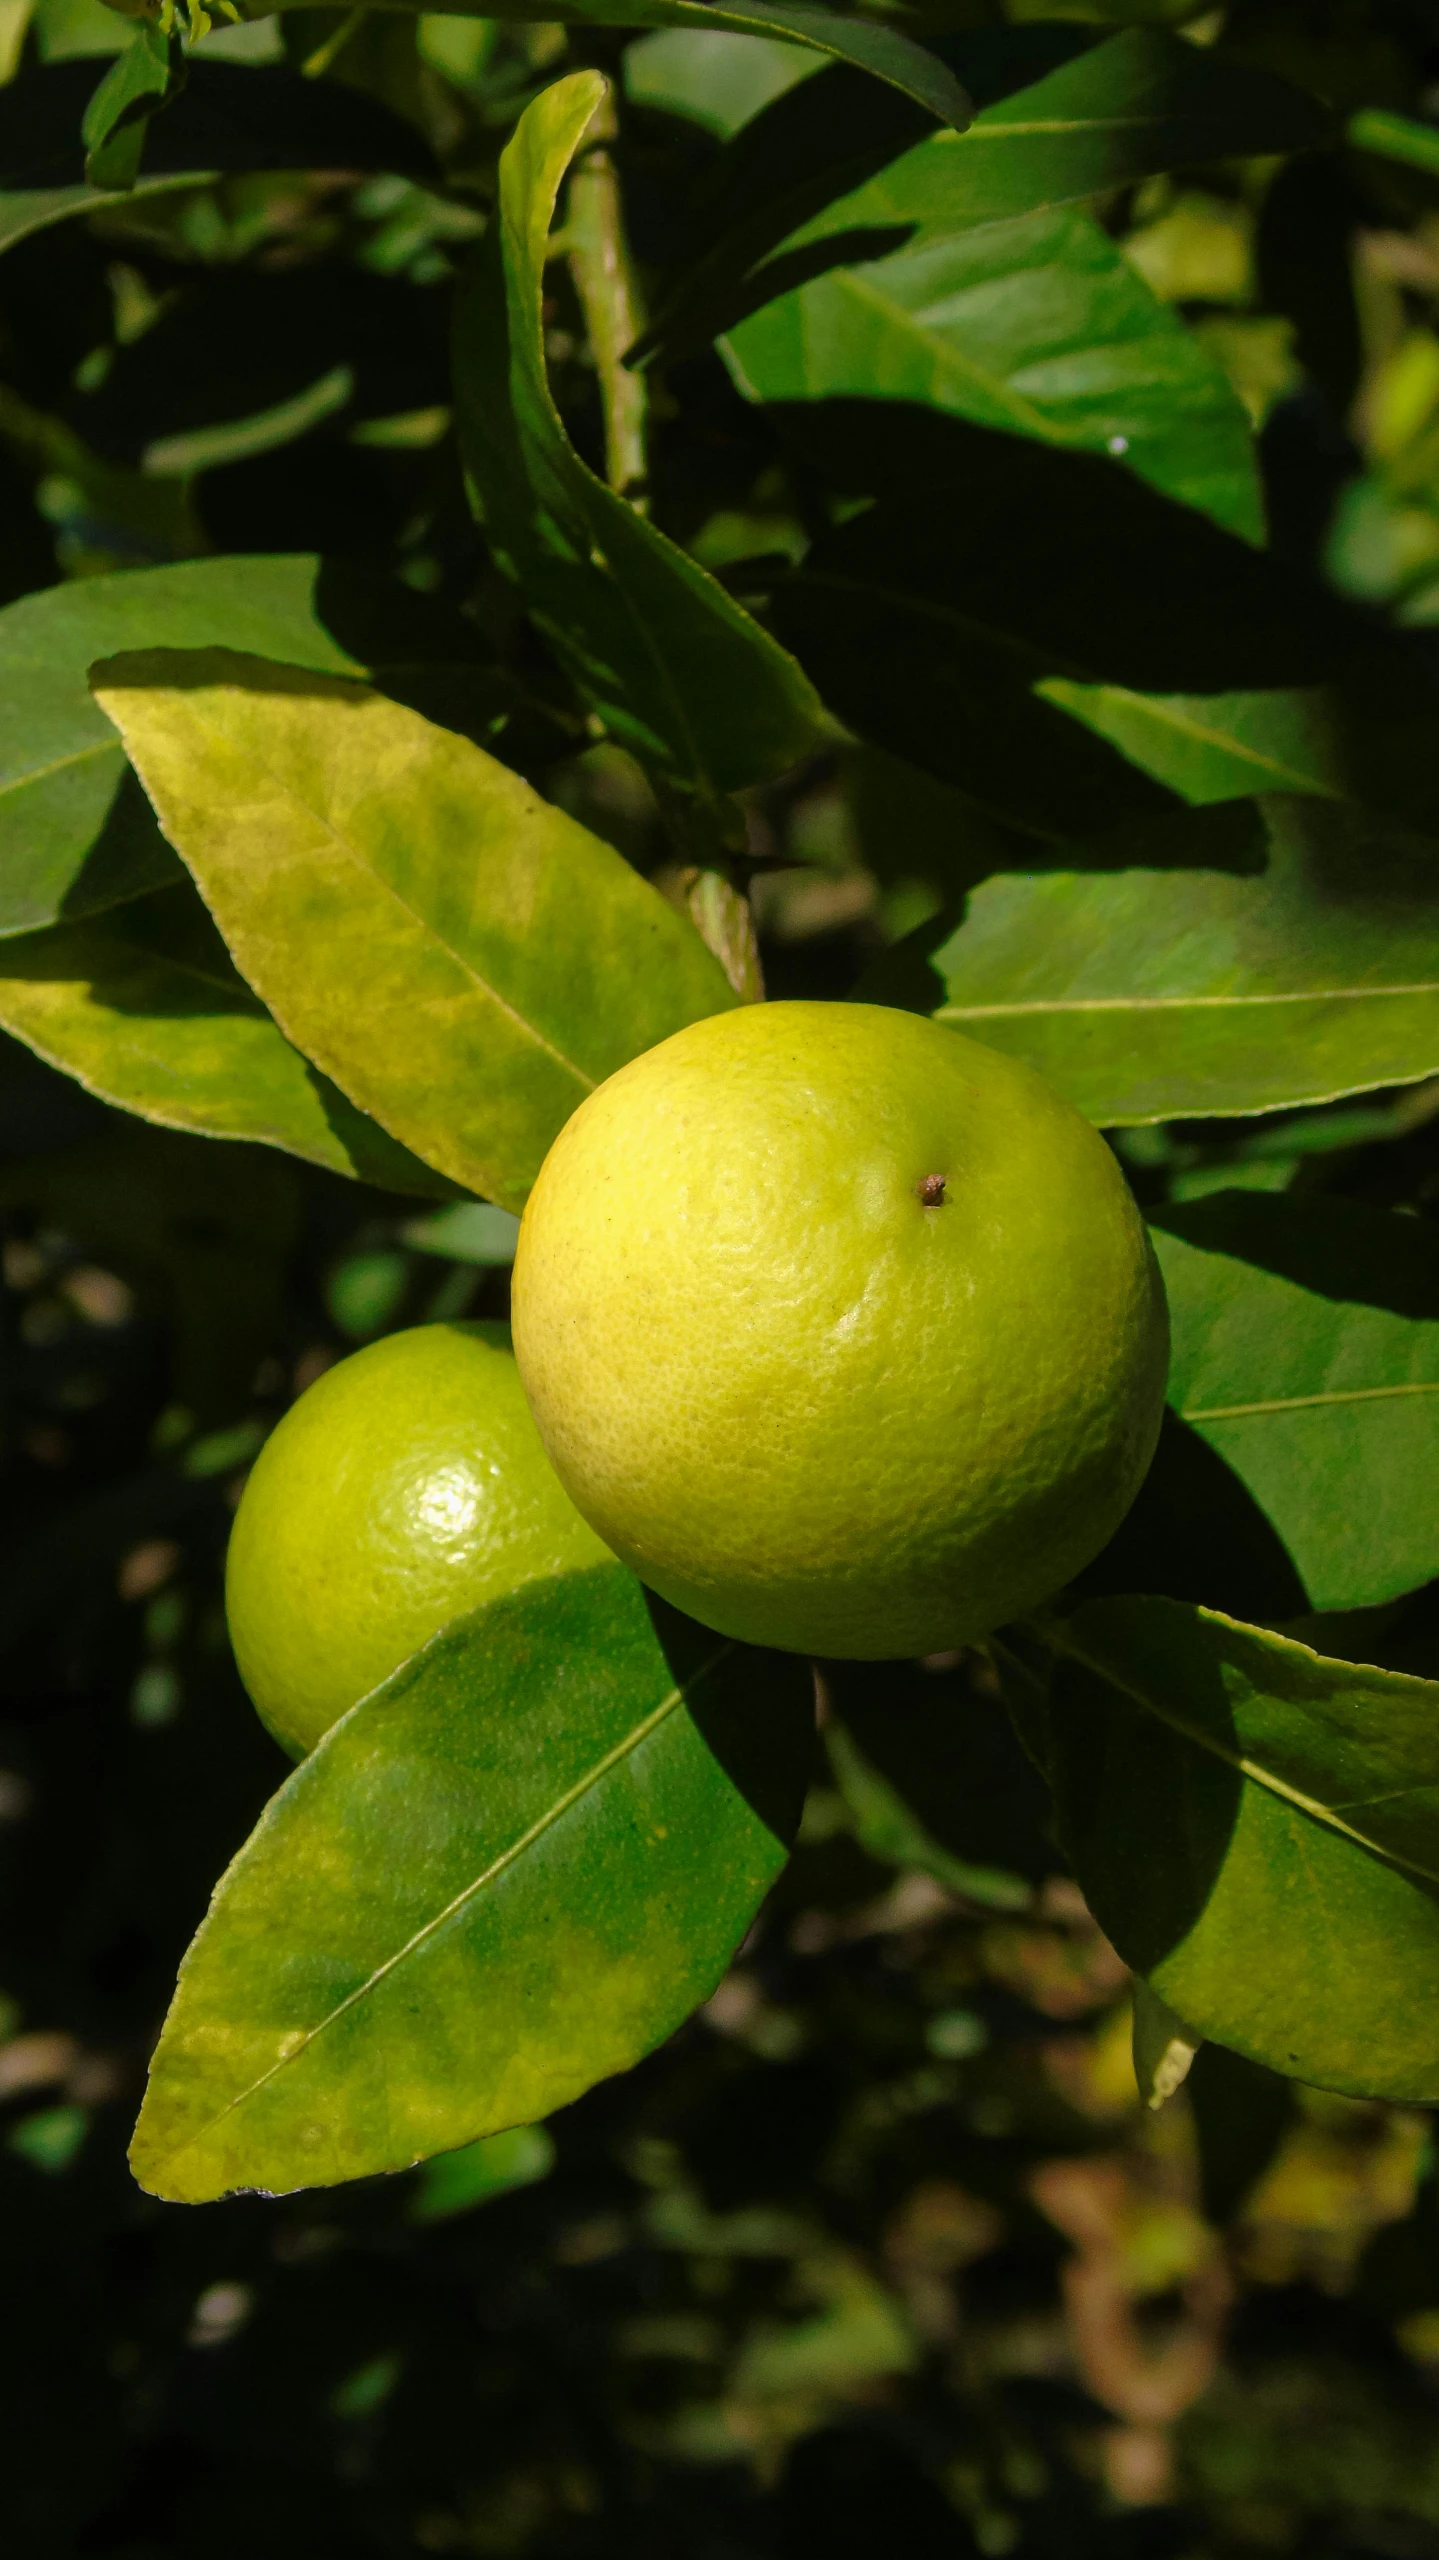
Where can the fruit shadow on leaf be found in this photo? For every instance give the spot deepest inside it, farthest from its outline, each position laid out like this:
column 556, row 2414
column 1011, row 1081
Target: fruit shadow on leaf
column 1353, row 1255
column 1195, row 1532
column 753, row 1709
column 952, row 1757
column 1147, row 1882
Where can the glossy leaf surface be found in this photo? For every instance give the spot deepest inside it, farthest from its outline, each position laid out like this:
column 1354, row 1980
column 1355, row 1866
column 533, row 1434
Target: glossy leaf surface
column 78, row 834
column 1306, row 1352
column 145, row 1008
column 1149, row 995
column 1254, row 1829
column 679, row 673
column 514, row 1868
column 466, row 961
column 831, row 162
column 1038, row 326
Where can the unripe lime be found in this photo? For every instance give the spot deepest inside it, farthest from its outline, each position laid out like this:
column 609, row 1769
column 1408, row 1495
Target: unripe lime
column 407, row 1486
column 841, row 1329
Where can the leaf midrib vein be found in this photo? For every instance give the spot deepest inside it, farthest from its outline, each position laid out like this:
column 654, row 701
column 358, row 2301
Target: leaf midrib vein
column 1181, row 1003
column 1254, row 1770
column 59, row 764
column 553, row 1813
column 1296, row 1404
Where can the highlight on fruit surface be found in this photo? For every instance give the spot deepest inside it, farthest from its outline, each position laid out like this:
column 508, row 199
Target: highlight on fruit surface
column 406, row 1487
column 840, row 1328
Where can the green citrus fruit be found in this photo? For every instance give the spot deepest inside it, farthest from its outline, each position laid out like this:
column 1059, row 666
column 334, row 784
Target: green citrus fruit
column 407, row 1486
column 842, row 1330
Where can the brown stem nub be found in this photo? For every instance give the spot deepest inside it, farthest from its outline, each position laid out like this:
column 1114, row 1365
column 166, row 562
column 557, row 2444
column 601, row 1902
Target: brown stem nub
column 931, row 1190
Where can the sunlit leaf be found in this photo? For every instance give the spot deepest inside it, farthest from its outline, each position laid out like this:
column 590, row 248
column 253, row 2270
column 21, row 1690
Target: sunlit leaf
column 78, row 834
column 466, row 961
column 1306, row 1352
column 513, row 1869
column 1254, row 1827
column 1037, row 325
column 834, row 163
column 145, row 1008
column 1153, row 995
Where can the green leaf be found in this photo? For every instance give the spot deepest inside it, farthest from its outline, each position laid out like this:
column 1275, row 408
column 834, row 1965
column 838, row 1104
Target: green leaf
column 1038, row 326
column 1254, row 1827
column 934, row 1778
column 953, row 622
column 229, row 116
column 1214, row 746
column 139, row 82
column 1306, row 1352
column 78, row 835
column 1159, row 995
column 145, row 1008
column 882, row 51
column 435, row 1934
column 37, row 208
column 678, row 672
column 456, row 2181
column 464, row 960
column 832, row 161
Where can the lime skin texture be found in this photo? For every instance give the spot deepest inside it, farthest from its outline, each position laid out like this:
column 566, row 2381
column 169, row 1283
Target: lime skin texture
column 406, row 1487
column 841, row 1329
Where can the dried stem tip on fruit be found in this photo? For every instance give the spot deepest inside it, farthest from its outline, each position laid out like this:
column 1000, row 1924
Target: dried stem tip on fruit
column 931, row 1190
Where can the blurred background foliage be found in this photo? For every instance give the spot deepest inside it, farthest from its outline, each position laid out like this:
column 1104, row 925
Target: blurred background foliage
column 880, row 2253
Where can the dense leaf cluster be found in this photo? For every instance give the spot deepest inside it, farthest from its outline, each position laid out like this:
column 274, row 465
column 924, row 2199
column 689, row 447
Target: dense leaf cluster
column 521, row 536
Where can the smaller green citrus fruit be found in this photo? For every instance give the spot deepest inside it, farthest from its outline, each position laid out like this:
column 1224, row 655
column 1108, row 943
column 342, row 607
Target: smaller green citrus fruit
column 406, row 1487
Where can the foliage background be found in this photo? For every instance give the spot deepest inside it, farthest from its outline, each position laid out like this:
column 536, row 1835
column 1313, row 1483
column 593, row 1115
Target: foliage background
column 880, row 2252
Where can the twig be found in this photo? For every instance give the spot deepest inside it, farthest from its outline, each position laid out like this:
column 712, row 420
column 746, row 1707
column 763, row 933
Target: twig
column 605, row 281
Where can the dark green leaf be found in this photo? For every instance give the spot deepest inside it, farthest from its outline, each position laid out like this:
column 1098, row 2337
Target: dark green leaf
column 677, row 670
column 882, row 51
column 1254, row 1827
column 145, row 1008
column 934, row 1778
column 1154, row 995
column 435, row 1934
column 78, row 834
column 808, row 169
column 465, row 960
column 956, row 624
column 1037, row 326
column 1306, row 1352
column 228, row 116
column 1241, row 2114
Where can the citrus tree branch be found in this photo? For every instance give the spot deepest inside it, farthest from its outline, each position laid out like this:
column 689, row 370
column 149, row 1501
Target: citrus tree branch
column 605, row 281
